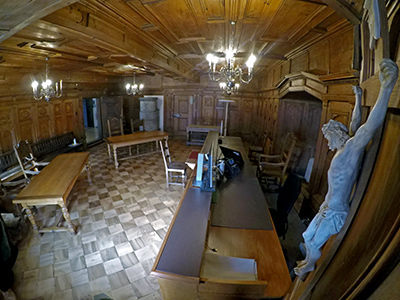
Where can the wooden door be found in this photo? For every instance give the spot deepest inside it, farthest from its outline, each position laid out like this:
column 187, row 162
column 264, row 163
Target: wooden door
column 301, row 116
column 111, row 107
column 181, row 116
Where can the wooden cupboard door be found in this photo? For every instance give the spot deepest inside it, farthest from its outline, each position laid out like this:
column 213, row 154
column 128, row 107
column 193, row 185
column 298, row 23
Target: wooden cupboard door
column 180, row 114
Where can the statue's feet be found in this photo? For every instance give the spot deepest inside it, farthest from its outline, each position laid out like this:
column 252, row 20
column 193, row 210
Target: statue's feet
column 303, row 269
column 300, row 263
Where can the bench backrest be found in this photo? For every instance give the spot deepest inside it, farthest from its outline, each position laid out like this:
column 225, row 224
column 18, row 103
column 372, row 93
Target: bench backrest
column 7, row 160
column 53, row 144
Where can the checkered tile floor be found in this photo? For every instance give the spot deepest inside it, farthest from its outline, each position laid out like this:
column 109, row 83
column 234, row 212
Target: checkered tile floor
column 123, row 216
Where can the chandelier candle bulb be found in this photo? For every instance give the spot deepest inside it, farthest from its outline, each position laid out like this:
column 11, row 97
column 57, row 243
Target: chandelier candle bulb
column 230, row 74
column 47, row 90
column 134, row 88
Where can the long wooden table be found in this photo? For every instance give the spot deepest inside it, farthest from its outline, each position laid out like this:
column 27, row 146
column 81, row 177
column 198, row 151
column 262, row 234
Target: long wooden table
column 135, row 138
column 52, row 187
column 237, row 225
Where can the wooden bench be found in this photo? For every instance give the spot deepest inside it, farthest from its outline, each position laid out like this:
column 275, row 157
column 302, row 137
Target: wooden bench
column 43, row 150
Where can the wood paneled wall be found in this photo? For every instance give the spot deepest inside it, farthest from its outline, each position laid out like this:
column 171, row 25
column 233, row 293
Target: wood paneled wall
column 23, row 118
column 27, row 119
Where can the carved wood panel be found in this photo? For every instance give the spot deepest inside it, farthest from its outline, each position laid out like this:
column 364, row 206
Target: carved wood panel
column 25, row 121
column 208, row 110
column 44, row 121
column 59, row 123
column 246, row 117
column 6, row 129
column 69, row 116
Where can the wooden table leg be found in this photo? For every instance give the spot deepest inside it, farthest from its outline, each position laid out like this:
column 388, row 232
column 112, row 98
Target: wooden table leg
column 115, row 157
column 67, row 217
column 88, row 172
column 30, row 217
column 109, row 151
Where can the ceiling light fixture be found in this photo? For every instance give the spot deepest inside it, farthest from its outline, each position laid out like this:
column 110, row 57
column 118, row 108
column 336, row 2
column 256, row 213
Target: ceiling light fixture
column 134, row 88
column 230, row 75
column 46, row 89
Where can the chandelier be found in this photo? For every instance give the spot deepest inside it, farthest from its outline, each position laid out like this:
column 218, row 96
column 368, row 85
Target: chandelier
column 230, row 75
column 46, row 89
column 134, row 88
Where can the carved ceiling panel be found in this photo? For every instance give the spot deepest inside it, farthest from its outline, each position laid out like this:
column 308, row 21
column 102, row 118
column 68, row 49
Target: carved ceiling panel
column 171, row 37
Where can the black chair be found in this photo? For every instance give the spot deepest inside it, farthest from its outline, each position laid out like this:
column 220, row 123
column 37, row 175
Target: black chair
column 288, row 194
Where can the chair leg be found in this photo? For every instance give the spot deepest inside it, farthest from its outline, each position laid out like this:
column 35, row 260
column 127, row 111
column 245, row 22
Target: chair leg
column 167, row 176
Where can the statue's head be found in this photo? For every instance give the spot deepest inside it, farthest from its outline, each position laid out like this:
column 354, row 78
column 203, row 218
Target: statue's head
column 336, row 134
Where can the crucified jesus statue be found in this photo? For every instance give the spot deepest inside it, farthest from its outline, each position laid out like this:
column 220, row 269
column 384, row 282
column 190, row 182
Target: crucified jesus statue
column 343, row 170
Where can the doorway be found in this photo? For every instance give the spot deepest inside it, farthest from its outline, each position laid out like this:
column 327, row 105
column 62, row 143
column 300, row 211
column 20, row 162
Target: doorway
column 91, row 120
column 160, row 107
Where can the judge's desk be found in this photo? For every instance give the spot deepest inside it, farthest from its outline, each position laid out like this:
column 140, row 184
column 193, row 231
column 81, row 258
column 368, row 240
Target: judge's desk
column 216, row 238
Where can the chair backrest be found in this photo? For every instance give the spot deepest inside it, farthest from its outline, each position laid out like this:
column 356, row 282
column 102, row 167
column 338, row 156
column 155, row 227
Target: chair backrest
column 115, row 127
column 138, row 124
column 267, row 147
column 165, row 154
column 287, row 150
column 23, row 152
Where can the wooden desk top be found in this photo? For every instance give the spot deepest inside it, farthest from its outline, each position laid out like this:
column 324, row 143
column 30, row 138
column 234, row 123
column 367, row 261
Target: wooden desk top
column 137, row 137
column 183, row 252
column 210, row 127
column 56, row 180
column 239, row 201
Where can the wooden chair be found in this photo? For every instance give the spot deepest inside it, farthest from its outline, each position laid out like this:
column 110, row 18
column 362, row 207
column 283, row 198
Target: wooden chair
column 173, row 170
column 273, row 167
column 264, row 148
column 115, row 127
column 26, row 160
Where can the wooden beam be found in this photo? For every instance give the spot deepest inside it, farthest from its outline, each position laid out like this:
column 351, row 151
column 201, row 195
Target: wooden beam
column 128, row 45
column 313, row 2
column 37, row 9
column 345, row 10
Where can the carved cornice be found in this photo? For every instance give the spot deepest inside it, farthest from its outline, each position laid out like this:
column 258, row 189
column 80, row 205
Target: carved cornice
column 302, row 82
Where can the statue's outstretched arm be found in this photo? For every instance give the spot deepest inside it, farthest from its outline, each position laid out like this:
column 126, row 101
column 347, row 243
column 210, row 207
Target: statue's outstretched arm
column 388, row 77
column 356, row 116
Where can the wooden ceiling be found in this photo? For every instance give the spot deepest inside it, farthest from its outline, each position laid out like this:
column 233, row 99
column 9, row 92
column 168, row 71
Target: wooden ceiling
column 168, row 37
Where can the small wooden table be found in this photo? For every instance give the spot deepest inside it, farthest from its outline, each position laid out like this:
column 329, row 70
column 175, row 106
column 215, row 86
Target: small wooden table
column 52, row 187
column 191, row 140
column 133, row 139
